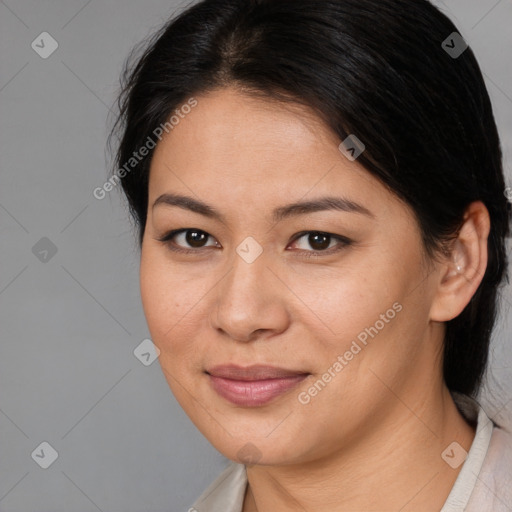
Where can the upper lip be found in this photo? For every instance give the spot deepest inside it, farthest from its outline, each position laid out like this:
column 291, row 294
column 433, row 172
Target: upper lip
column 255, row 372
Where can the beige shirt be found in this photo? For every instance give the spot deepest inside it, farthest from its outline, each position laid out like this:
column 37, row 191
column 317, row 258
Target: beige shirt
column 484, row 483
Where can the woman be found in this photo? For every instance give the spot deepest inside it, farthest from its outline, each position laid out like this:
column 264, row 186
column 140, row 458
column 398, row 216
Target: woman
column 319, row 193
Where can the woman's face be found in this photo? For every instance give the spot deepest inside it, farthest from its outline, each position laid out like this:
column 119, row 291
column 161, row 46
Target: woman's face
column 346, row 319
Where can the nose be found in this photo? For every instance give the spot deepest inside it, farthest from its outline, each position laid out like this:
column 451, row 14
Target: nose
column 250, row 301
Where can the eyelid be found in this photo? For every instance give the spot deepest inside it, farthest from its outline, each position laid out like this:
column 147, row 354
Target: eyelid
column 343, row 242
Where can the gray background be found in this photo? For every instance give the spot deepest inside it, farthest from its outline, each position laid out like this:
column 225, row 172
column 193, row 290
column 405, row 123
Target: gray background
column 70, row 324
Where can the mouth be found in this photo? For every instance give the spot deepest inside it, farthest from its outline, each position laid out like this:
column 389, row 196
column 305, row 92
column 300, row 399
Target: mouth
column 253, row 386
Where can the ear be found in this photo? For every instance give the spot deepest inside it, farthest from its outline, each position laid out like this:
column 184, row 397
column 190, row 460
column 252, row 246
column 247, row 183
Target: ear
column 462, row 272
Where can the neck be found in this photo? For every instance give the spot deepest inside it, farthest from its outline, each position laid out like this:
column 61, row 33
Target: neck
column 397, row 467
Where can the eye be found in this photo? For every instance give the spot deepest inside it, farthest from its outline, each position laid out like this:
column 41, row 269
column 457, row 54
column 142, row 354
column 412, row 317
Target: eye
column 195, row 238
column 321, row 243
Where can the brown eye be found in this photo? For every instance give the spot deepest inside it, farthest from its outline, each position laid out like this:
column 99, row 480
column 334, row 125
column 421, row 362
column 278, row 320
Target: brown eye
column 187, row 240
column 195, row 238
column 320, row 242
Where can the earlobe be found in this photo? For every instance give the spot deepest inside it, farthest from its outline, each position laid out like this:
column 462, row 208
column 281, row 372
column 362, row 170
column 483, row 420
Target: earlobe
column 464, row 268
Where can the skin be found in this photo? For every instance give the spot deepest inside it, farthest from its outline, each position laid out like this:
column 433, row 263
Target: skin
column 372, row 438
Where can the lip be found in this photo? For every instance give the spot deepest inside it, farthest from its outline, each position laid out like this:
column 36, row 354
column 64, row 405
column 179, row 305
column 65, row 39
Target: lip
column 253, row 386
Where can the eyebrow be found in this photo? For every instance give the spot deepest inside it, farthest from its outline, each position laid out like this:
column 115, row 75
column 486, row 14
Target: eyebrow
column 279, row 214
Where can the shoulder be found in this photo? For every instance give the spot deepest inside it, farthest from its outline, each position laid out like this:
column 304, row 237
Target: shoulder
column 226, row 493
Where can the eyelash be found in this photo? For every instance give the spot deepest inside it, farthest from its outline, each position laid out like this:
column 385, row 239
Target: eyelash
column 344, row 242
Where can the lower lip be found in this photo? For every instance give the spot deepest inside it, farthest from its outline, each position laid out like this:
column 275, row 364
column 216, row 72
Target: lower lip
column 253, row 393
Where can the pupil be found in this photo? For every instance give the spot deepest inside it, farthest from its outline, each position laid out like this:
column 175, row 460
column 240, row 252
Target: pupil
column 313, row 240
column 194, row 238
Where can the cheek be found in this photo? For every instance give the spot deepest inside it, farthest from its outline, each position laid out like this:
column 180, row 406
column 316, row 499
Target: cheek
column 342, row 304
column 168, row 302
column 162, row 294
column 174, row 303
column 155, row 295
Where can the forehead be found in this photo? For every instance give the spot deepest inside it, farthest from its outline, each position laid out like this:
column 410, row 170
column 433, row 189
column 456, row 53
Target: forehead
column 234, row 148
column 226, row 123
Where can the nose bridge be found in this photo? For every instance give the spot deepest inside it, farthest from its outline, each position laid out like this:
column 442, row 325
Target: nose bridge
column 246, row 300
column 246, row 282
